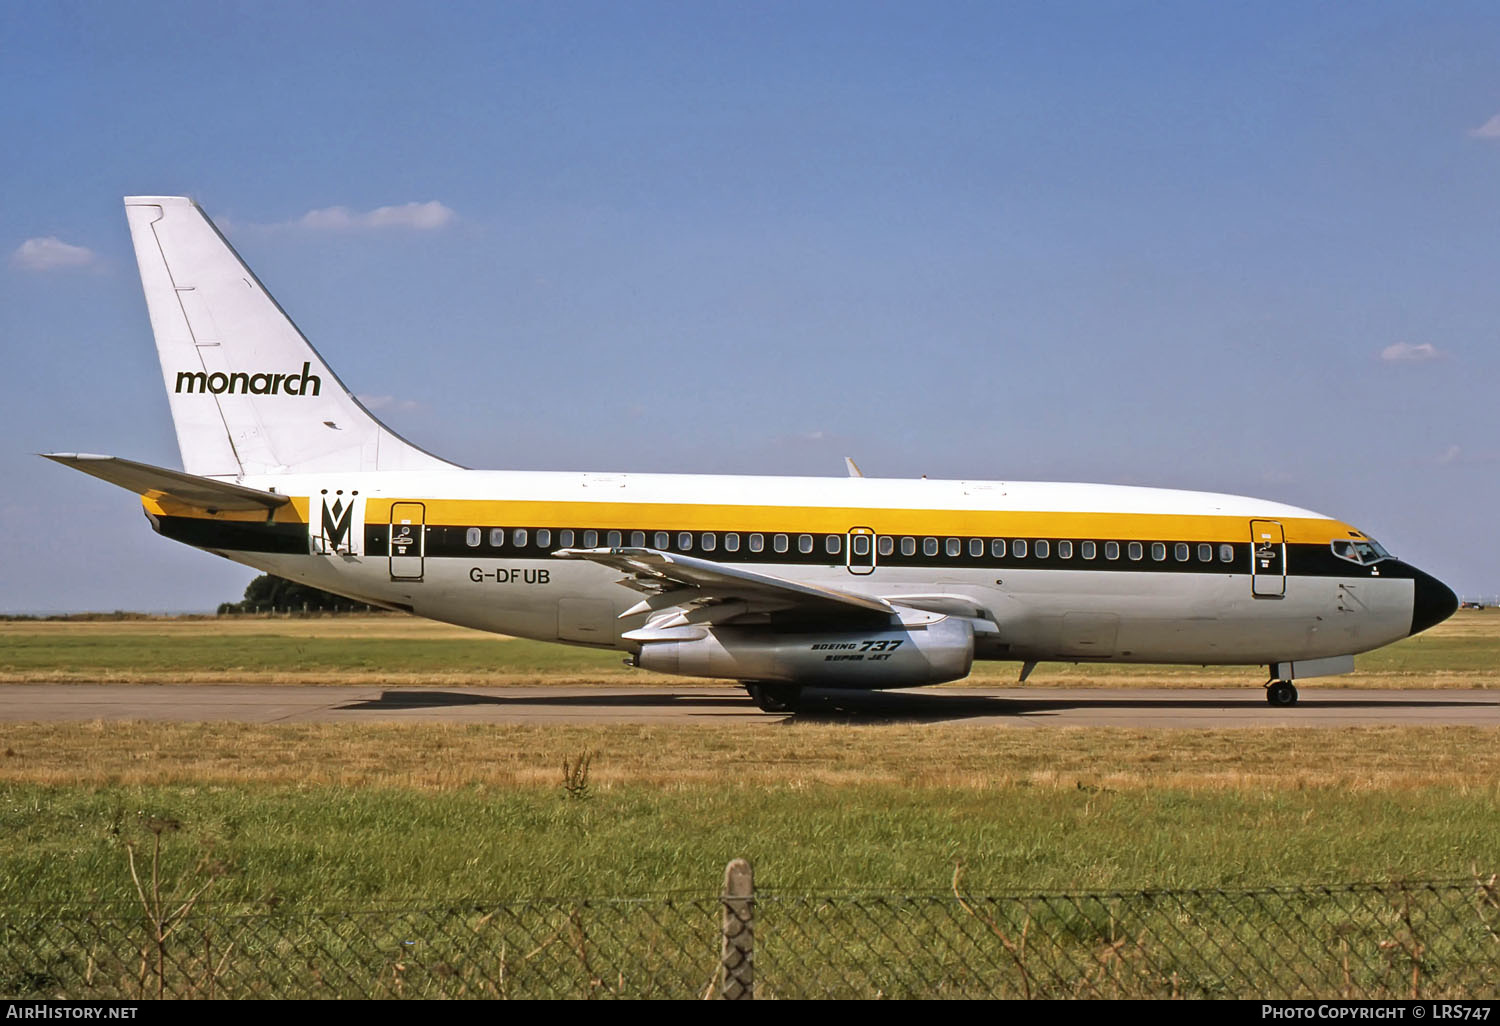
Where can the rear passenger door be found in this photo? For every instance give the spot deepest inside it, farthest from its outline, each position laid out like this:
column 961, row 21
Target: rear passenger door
column 408, row 540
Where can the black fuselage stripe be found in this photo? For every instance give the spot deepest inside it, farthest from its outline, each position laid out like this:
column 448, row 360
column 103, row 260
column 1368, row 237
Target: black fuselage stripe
column 235, row 535
column 450, row 542
column 446, row 541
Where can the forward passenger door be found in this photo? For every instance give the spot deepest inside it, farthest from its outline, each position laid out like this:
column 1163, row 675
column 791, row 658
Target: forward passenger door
column 1267, row 559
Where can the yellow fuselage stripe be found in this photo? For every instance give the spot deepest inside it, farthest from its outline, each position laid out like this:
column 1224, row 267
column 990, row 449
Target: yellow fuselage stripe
column 626, row 516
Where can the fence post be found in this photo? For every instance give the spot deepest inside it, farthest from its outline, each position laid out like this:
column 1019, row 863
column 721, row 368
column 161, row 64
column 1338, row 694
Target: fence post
column 737, row 960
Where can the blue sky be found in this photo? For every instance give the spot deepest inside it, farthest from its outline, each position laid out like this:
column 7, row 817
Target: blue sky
column 1236, row 247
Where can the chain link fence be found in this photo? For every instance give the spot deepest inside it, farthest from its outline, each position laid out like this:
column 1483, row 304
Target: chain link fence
column 1436, row 939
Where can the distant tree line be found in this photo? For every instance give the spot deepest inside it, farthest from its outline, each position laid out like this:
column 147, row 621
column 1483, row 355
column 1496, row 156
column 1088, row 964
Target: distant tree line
column 271, row 594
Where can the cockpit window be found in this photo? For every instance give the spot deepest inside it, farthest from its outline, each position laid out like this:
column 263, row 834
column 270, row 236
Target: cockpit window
column 1362, row 552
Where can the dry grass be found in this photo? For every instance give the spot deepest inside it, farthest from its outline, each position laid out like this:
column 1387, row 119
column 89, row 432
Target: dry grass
column 450, row 757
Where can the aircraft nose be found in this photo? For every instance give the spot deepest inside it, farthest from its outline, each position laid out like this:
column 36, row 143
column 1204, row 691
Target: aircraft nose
column 1432, row 601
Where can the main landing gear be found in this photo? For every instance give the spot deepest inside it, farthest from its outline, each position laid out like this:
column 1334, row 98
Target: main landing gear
column 775, row 698
column 1281, row 692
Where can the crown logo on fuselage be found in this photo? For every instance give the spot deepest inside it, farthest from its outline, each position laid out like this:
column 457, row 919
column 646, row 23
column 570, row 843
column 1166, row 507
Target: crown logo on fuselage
column 336, row 522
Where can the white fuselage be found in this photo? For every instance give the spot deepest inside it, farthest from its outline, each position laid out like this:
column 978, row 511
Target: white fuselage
column 1143, row 605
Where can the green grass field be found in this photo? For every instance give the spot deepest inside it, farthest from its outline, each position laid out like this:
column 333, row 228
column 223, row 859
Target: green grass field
column 392, row 649
column 334, row 847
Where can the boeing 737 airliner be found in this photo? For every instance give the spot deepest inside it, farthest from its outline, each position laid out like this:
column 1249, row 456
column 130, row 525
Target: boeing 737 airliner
column 777, row 582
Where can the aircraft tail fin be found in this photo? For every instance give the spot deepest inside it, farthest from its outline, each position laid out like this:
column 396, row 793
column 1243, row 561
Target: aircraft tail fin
column 249, row 394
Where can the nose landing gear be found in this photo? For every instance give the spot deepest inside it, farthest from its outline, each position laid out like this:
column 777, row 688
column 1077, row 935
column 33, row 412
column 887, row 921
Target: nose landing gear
column 1281, row 692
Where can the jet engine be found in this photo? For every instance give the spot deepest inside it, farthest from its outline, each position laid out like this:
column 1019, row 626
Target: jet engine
column 883, row 657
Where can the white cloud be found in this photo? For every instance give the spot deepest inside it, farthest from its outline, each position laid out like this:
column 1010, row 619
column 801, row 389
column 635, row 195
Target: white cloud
column 419, row 216
column 1489, row 130
column 388, row 402
column 50, row 254
column 1405, row 352
column 1456, row 456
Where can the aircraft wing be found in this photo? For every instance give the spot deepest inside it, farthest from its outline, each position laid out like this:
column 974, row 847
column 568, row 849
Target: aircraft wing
column 687, row 590
column 159, row 482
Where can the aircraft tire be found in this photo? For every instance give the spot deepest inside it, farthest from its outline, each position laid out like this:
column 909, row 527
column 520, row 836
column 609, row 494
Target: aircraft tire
column 775, row 698
column 1281, row 692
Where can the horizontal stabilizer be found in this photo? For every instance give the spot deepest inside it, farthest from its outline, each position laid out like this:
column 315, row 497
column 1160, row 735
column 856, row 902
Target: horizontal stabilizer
column 159, row 482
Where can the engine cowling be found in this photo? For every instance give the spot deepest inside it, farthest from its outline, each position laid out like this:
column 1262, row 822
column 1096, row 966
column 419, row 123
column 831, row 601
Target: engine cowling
column 885, row 657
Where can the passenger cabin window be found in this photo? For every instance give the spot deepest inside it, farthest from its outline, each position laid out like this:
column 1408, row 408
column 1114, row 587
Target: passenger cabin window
column 662, row 540
column 497, row 537
column 887, row 545
column 1043, row 548
column 1226, row 553
column 929, row 546
column 590, row 539
column 518, row 536
column 831, row 545
column 757, row 542
column 804, row 543
column 731, row 542
column 638, row 538
column 1064, row 550
column 859, row 545
column 1086, row 550
column 1158, row 551
column 472, row 537
column 1018, row 548
column 779, row 543
column 1111, row 550
column 709, row 542
column 976, row 547
column 908, row 546
column 684, row 540
column 543, row 538
column 997, row 548
column 1135, row 550
column 612, row 540
column 565, row 539
column 955, row 547
column 1205, row 553
column 1182, row 551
